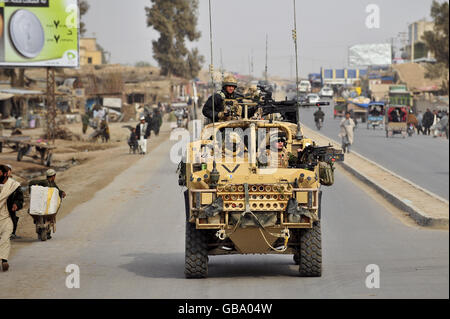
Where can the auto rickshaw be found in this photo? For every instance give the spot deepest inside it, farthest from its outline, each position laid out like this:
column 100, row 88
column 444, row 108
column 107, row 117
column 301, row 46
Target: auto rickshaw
column 340, row 107
column 375, row 115
column 396, row 120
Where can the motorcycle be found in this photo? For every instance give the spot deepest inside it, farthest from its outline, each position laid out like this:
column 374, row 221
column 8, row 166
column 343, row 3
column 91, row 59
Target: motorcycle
column 410, row 130
column 179, row 122
column 319, row 124
column 182, row 117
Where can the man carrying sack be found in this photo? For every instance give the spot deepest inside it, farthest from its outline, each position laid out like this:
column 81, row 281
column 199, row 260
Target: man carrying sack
column 50, row 182
column 11, row 201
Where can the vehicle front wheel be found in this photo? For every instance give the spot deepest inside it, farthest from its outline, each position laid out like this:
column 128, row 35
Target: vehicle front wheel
column 310, row 253
column 196, row 249
column 296, row 259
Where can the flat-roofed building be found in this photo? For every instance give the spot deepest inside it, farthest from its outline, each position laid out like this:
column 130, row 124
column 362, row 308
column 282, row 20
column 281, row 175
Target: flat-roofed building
column 89, row 52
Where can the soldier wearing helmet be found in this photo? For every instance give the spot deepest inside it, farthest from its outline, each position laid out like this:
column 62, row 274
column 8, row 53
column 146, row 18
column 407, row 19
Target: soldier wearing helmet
column 276, row 152
column 226, row 102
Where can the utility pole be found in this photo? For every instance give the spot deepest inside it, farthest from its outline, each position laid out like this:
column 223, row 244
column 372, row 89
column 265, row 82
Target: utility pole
column 291, row 68
column 267, row 49
column 221, row 64
column 51, row 105
column 253, row 65
column 413, row 41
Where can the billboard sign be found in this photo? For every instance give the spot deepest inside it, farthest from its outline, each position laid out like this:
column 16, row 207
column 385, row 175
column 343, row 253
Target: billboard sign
column 39, row 33
column 362, row 55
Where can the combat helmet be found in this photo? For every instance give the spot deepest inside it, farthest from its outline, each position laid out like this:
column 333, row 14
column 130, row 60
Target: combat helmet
column 230, row 80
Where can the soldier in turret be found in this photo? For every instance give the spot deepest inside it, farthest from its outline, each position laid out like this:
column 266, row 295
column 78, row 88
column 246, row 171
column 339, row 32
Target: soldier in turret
column 226, row 103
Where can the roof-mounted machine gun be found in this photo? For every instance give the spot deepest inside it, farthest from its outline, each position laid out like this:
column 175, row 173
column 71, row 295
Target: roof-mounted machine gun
column 289, row 110
column 311, row 156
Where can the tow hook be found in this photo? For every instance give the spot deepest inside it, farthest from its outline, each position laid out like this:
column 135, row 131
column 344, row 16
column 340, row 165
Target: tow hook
column 221, row 234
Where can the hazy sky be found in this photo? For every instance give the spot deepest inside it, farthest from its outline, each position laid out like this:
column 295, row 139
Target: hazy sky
column 326, row 29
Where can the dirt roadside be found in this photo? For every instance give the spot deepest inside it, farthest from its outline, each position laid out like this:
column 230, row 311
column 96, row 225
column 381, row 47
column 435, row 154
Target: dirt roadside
column 428, row 206
column 84, row 168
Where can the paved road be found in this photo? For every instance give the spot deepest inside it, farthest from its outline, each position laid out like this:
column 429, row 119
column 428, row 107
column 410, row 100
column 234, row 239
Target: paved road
column 421, row 159
column 129, row 243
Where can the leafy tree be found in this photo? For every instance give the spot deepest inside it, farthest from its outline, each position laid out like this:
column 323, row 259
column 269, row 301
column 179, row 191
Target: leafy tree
column 176, row 21
column 437, row 42
column 84, row 7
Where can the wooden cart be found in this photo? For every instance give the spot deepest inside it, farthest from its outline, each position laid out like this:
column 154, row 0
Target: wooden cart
column 24, row 146
column 13, row 142
column 42, row 151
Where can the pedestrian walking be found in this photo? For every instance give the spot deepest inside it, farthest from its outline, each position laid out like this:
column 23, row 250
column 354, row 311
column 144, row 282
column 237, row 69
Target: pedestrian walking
column 435, row 128
column 157, row 122
column 347, row 132
column 143, row 132
column 85, row 122
column 11, row 201
column 420, row 123
column 13, row 214
column 427, row 122
column 442, row 126
column 50, row 182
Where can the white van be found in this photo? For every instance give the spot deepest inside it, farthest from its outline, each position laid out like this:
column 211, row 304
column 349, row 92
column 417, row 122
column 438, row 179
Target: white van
column 304, row 86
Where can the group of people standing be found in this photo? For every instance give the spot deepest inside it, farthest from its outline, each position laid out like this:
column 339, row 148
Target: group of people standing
column 432, row 123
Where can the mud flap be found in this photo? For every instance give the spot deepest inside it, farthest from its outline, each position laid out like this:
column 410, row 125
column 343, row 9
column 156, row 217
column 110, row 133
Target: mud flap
column 320, row 205
column 186, row 204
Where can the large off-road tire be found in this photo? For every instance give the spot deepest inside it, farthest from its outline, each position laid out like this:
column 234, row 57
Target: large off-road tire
column 296, row 259
column 310, row 254
column 196, row 258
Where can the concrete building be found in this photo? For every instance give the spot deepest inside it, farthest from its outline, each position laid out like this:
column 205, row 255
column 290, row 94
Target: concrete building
column 341, row 76
column 416, row 31
column 89, row 53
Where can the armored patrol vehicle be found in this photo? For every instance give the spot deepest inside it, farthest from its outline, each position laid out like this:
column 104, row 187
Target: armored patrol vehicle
column 254, row 187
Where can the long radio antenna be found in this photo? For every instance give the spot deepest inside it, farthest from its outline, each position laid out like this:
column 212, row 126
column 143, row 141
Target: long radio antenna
column 267, row 49
column 215, row 176
column 294, row 36
column 211, row 70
